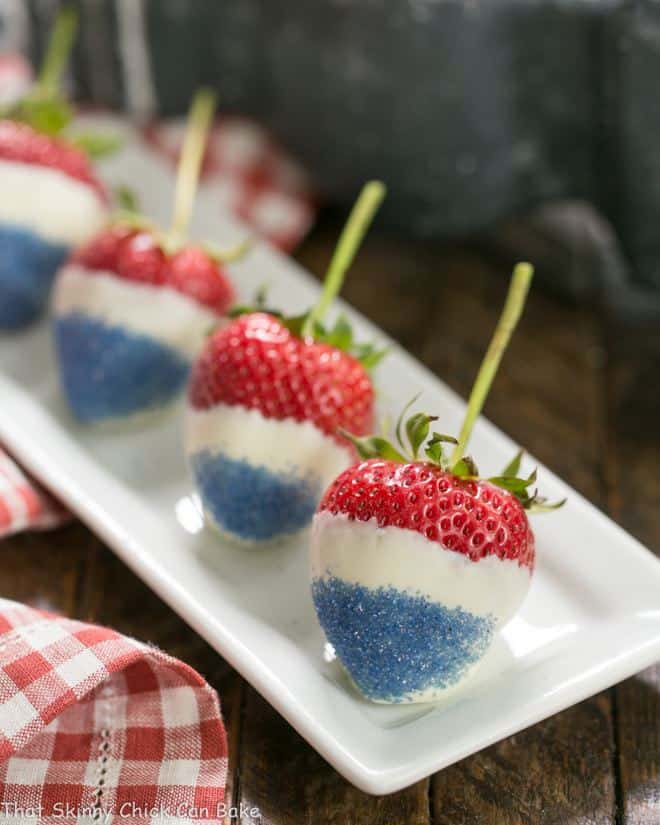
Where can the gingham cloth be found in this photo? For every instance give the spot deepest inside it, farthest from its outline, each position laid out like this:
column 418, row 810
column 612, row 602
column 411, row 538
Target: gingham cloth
column 254, row 179
column 24, row 504
column 97, row 727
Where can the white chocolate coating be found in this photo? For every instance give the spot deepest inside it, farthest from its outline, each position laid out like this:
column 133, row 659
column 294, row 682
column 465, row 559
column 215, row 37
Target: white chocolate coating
column 280, row 446
column 51, row 203
column 161, row 313
column 363, row 553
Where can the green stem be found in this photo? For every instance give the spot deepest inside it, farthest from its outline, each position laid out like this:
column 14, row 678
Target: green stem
column 58, row 50
column 194, row 144
column 351, row 237
column 513, row 307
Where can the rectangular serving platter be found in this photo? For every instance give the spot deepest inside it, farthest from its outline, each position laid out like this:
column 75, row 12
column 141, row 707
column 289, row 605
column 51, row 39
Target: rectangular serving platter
column 592, row 616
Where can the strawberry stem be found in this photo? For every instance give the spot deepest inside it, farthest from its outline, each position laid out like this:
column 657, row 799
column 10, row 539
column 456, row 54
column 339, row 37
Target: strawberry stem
column 513, row 307
column 350, row 239
column 201, row 114
column 58, row 50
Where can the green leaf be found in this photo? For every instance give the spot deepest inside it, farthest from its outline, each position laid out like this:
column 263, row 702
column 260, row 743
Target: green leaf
column 48, row 115
column 510, row 483
column 417, row 429
column 369, row 356
column 261, row 296
column 258, row 305
column 295, row 323
column 318, row 332
column 240, row 309
column 96, row 144
column 513, row 467
column 341, row 334
column 541, row 505
column 374, row 446
column 435, row 453
column 447, row 439
column 465, row 468
column 399, row 421
column 434, row 450
column 127, row 199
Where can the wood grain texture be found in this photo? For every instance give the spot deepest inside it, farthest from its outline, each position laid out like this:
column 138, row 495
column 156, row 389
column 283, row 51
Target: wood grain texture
column 43, row 569
column 289, row 783
column 634, row 500
column 583, row 397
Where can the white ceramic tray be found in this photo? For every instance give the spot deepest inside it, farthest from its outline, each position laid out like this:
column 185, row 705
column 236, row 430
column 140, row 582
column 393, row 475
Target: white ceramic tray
column 592, row 616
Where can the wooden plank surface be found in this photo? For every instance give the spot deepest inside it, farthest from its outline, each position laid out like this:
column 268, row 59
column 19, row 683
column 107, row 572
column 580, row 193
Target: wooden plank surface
column 634, row 501
column 598, row 762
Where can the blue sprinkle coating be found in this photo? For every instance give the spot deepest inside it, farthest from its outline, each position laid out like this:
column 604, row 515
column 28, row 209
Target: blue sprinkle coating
column 393, row 643
column 28, row 265
column 107, row 372
column 252, row 502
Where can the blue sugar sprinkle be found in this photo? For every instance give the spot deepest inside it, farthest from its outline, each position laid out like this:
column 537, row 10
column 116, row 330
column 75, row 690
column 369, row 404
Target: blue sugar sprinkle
column 107, row 372
column 27, row 267
column 393, row 643
column 253, row 503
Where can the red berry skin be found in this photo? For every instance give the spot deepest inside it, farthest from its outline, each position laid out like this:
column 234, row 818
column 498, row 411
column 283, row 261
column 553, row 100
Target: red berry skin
column 257, row 363
column 101, row 252
column 474, row 518
column 22, row 144
column 194, row 273
column 140, row 259
column 136, row 256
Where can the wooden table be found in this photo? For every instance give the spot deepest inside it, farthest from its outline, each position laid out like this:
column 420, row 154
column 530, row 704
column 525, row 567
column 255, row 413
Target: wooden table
column 582, row 394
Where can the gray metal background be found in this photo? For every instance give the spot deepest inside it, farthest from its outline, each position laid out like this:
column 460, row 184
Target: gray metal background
column 536, row 120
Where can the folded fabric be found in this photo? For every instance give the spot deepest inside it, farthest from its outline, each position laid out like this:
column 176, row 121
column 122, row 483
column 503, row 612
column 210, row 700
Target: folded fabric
column 251, row 177
column 23, row 503
column 98, row 727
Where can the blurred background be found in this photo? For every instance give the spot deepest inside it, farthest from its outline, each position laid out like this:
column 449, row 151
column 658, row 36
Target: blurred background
column 530, row 124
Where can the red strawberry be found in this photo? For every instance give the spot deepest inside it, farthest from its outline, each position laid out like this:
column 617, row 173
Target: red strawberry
column 101, row 253
column 257, row 363
column 22, row 144
column 443, row 498
column 195, row 273
column 140, row 258
column 136, row 255
column 472, row 517
column 143, row 254
column 124, row 349
column 255, row 390
column 407, row 632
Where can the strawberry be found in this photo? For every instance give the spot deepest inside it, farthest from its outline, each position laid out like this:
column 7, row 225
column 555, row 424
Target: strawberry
column 258, row 363
column 136, row 255
column 469, row 516
column 20, row 143
column 266, row 399
column 50, row 198
column 134, row 305
column 417, row 560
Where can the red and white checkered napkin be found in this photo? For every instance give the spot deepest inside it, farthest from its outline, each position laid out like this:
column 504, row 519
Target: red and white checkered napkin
column 97, row 727
column 23, row 504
